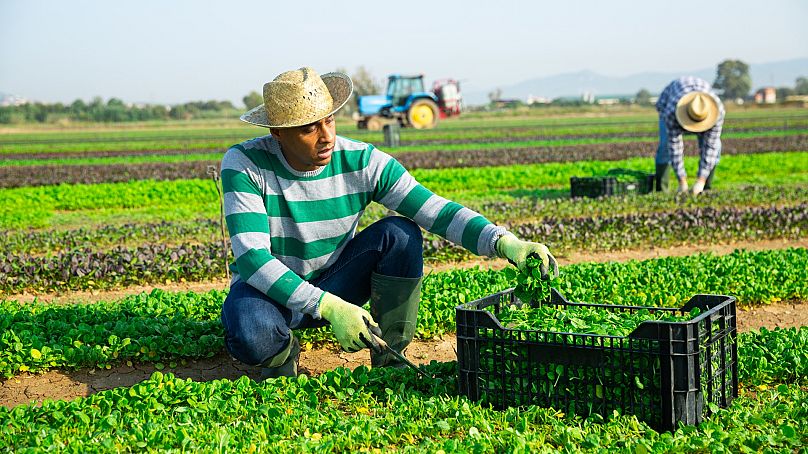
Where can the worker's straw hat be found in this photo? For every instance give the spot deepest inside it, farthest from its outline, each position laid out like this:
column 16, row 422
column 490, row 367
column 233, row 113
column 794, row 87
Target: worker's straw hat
column 299, row 97
column 697, row 111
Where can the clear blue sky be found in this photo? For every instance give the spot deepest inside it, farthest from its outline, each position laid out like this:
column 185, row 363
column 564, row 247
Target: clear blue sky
column 175, row 51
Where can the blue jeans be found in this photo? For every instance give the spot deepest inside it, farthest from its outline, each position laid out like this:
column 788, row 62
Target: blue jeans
column 663, row 155
column 258, row 328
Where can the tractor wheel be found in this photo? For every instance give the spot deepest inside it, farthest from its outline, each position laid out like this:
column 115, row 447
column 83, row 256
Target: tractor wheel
column 374, row 124
column 423, row 114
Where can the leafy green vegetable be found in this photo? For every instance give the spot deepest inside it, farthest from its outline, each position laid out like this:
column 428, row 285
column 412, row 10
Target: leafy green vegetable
column 375, row 410
column 193, row 319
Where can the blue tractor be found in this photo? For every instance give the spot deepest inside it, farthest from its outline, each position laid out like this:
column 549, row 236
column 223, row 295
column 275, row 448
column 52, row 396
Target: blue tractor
column 409, row 104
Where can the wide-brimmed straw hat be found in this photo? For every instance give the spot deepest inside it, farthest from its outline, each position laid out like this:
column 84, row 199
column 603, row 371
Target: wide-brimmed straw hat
column 697, row 111
column 300, row 97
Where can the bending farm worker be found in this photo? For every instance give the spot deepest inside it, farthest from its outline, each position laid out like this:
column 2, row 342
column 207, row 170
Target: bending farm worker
column 688, row 105
column 293, row 200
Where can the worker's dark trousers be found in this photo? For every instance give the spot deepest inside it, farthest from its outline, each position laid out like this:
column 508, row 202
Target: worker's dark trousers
column 257, row 328
column 663, row 160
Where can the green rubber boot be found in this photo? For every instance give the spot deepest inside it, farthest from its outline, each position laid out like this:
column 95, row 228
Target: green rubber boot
column 394, row 306
column 284, row 364
column 663, row 176
column 709, row 184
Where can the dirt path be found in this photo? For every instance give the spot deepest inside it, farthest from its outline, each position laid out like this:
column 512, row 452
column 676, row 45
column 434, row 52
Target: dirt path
column 25, row 388
column 563, row 259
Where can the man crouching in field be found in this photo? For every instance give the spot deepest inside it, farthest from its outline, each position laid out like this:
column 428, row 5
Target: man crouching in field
column 293, row 200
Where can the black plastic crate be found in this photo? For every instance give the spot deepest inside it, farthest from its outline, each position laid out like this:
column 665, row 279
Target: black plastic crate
column 612, row 184
column 663, row 372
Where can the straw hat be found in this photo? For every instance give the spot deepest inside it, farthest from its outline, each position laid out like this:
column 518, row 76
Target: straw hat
column 697, row 111
column 300, row 97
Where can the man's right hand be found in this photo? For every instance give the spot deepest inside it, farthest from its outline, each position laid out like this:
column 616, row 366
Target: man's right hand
column 348, row 322
column 682, row 184
column 698, row 186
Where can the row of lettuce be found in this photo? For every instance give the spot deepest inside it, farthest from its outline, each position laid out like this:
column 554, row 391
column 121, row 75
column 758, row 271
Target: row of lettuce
column 454, row 130
column 382, row 409
column 499, row 210
column 469, row 155
column 84, row 169
column 43, row 206
column 86, row 267
column 164, row 327
column 783, row 119
column 438, row 154
column 142, row 253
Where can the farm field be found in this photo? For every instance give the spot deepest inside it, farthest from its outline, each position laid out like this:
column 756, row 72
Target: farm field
column 113, row 272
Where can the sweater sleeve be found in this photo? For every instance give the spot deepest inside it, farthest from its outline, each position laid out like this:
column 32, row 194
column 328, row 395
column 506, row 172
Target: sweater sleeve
column 710, row 149
column 250, row 238
column 676, row 146
column 397, row 190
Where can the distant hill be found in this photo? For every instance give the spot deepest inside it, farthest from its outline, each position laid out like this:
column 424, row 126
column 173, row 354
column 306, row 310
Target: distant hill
column 781, row 73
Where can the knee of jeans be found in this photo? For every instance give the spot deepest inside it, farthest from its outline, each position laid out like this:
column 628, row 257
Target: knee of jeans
column 406, row 231
column 256, row 346
column 662, row 156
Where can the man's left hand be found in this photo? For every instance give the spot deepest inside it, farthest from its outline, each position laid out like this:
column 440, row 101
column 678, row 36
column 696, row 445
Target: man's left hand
column 517, row 252
column 698, row 186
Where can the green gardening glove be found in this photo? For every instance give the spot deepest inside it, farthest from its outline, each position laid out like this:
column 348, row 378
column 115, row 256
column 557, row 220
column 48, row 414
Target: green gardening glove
column 517, row 251
column 352, row 325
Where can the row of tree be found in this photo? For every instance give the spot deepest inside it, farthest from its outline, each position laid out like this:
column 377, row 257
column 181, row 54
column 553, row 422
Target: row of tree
column 113, row 110
column 363, row 82
column 800, row 88
column 733, row 81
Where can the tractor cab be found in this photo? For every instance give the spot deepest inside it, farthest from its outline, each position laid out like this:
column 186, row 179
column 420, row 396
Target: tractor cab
column 399, row 88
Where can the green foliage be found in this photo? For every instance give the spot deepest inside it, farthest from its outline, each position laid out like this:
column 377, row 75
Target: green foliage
column 365, row 83
column 530, row 287
column 172, row 321
column 778, row 355
column 801, row 86
column 582, row 319
column 752, row 277
column 35, row 206
column 447, row 139
column 155, row 327
column 732, row 79
column 745, row 169
column 643, row 97
column 252, row 100
column 375, row 410
column 113, row 111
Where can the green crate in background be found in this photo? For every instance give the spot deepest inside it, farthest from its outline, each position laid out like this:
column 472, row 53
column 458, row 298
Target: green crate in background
column 615, row 182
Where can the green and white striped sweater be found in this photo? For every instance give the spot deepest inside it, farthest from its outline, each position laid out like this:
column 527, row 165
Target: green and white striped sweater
column 286, row 226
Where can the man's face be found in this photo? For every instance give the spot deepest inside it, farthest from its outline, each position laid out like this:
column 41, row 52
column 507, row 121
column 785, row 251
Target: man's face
column 310, row 146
